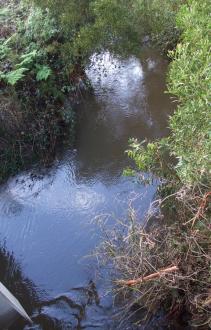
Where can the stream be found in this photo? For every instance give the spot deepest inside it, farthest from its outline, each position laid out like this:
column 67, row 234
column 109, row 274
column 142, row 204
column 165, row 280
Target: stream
column 48, row 217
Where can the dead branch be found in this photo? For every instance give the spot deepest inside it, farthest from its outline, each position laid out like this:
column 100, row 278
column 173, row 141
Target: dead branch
column 149, row 277
column 201, row 209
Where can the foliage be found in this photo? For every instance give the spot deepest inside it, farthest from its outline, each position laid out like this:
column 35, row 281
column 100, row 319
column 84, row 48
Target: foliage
column 43, row 72
column 189, row 80
column 23, row 53
column 118, row 25
column 33, row 118
column 150, row 157
column 44, row 47
column 93, row 25
column 159, row 21
column 13, row 76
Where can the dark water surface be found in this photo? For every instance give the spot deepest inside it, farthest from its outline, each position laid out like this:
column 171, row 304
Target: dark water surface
column 47, row 220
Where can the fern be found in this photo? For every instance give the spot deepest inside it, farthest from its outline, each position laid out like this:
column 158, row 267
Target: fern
column 2, row 76
column 27, row 59
column 43, row 72
column 4, row 50
column 14, row 76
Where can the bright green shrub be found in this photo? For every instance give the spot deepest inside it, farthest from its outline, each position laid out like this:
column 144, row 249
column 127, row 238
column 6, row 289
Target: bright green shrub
column 14, row 76
column 43, row 72
column 189, row 80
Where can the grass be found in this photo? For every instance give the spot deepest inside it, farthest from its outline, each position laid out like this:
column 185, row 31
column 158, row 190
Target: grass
column 137, row 250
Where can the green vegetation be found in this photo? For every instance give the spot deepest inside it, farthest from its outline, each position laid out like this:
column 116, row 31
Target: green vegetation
column 183, row 162
column 35, row 80
column 189, row 80
column 44, row 47
column 92, row 26
column 120, row 25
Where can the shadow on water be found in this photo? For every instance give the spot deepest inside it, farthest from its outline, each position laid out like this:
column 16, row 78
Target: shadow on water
column 44, row 312
column 12, row 277
column 48, row 217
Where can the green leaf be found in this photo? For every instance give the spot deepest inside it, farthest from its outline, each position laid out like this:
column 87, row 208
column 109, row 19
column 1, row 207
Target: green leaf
column 43, row 72
column 15, row 75
column 27, row 59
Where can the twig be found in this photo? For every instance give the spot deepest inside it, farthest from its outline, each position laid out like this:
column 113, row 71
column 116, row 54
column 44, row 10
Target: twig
column 201, row 209
column 149, row 277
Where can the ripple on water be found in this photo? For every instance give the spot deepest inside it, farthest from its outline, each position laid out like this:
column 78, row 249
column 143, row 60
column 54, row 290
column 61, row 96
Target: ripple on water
column 85, row 198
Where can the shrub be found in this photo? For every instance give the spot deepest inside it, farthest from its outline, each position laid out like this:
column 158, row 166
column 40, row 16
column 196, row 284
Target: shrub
column 189, row 80
column 33, row 75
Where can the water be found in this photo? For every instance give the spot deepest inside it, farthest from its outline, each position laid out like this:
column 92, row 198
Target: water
column 47, row 218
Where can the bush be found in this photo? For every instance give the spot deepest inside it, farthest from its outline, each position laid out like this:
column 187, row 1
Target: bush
column 35, row 80
column 189, row 80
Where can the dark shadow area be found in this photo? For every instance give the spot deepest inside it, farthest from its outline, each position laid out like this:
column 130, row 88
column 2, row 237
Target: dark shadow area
column 22, row 288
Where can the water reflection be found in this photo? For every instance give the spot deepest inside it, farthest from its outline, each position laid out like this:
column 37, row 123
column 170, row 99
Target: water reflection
column 47, row 219
column 128, row 101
